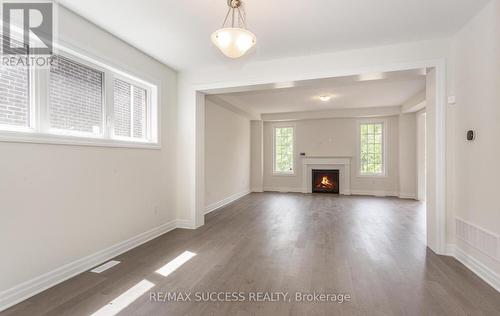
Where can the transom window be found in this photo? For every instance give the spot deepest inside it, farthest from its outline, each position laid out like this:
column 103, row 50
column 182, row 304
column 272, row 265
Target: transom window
column 283, row 149
column 372, row 149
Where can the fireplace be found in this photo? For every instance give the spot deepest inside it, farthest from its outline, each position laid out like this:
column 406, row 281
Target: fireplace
column 325, row 181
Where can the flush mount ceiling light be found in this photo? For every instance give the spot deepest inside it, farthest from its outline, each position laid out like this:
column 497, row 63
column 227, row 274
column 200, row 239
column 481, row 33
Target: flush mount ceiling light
column 325, row 98
column 233, row 39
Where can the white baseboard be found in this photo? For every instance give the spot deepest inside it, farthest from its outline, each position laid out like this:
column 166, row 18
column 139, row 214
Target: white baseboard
column 184, row 224
column 411, row 196
column 257, row 189
column 36, row 285
column 481, row 270
column 374, row 192
column 284, row 189
column 214, row 206
column 352, row 192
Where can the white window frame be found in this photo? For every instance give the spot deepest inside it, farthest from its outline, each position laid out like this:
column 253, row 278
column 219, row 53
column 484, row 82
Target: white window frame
column 384, row 123
column 17, row 34
column 39, row 130
column 284, row 173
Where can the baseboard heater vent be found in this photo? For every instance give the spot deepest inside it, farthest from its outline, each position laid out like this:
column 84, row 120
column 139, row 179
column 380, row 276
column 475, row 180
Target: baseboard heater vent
column 483, row 240
column 105, row 266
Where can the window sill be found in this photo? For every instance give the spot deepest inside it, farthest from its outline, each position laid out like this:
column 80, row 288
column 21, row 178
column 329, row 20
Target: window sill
column 283, row 174
column 382, row 176
column 53, row 139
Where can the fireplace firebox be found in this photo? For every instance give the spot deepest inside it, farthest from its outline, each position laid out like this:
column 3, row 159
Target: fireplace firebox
column 325, row 181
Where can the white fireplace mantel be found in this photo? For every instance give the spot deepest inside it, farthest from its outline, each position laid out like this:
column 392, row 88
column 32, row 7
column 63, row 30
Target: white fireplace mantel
column 343, row 164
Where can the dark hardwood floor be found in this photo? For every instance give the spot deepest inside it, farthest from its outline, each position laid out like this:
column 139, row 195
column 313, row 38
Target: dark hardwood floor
column 372, row 249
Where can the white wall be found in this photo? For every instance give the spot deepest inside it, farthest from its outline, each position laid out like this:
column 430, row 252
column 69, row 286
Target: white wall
column 433, row 217
column 408, row 156
column 475, row 172
column 227, row 155
column 333, row 137
column 61, row 203
column 257, row 158
column 421, row 154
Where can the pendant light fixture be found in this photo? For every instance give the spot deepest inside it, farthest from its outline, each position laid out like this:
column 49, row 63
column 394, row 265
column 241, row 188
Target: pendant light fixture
column 233, row 39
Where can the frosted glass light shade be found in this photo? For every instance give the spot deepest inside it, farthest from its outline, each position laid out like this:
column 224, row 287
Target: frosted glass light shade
column 233, row 42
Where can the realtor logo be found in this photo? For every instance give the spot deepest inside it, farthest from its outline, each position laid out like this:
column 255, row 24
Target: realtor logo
column 27, row 28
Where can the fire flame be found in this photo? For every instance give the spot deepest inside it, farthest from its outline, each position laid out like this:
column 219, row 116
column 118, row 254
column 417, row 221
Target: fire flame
column 326, row 183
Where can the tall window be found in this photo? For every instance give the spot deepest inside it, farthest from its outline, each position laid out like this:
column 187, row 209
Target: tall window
column 283, row 150
column 372, row 149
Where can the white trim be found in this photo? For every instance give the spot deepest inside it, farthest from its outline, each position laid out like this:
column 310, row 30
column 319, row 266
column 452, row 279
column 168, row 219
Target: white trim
column 279, row 80
column 197, row 216
column 274, row 126
column 333, row 113
column 481, row 270
column 374, row 175
column 403, row 195
column 214, row 206
column 39, row 138
column 450, row 250
column 47, row 280
column 379, row 193
column 16, row 128
column 440, row 162
column 184, row 224
column 283, row 189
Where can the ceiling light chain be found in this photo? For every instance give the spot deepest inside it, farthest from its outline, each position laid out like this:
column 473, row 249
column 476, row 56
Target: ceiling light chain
column 242, row 17
column 235, row 7
column 227, row 15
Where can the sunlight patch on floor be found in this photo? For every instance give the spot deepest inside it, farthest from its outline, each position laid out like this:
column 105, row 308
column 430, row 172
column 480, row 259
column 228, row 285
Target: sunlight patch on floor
column 175, row 263
column 125, row 299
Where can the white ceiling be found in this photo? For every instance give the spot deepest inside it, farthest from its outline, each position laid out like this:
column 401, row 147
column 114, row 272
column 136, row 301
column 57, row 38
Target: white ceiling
column 177, row 32
column 351, row 92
